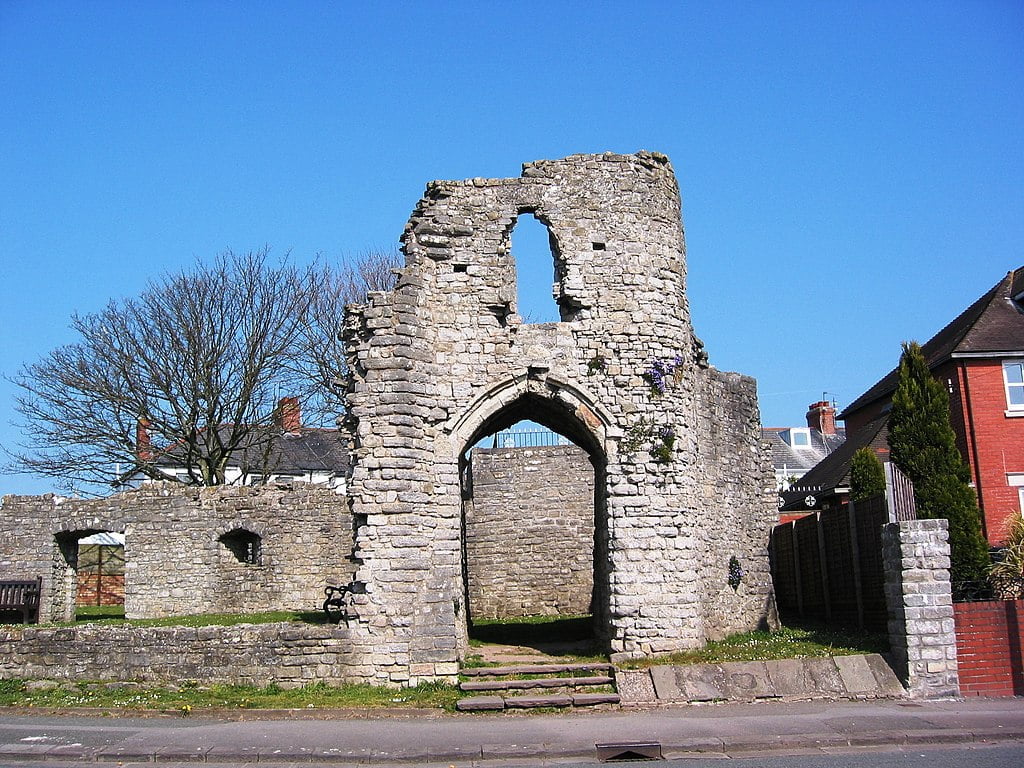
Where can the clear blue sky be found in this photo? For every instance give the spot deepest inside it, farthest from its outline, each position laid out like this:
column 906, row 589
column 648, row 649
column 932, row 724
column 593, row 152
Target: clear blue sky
column 852, row 173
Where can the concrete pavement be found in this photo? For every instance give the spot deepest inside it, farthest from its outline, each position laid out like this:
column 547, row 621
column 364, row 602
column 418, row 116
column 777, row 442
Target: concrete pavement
column 344, row 737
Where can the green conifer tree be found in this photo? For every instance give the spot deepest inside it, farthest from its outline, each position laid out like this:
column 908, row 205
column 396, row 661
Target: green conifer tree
column 867, row 475
column 923, row 445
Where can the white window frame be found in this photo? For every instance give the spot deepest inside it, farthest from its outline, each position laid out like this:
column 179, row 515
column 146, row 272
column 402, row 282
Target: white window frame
column 805, row 432
column 1013, row 408
column 1016, row 480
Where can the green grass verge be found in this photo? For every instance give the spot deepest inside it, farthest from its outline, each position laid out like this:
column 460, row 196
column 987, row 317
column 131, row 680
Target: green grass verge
column 783, row 643
column 190, row 696
column 99, row 612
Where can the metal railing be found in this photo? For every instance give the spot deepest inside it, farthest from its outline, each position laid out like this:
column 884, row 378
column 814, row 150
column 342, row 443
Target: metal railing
column 528, row 438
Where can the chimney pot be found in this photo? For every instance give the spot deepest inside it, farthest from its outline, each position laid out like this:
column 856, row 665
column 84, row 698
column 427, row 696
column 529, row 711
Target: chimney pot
column 289, row 415
column 822, row 417
column 143, row 442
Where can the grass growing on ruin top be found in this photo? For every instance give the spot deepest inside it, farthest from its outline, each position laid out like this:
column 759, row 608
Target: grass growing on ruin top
column 189, row 696
column 782, row 643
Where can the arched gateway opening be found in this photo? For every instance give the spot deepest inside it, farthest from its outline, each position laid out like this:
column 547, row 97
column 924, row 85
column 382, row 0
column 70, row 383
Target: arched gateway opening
column 535, row 531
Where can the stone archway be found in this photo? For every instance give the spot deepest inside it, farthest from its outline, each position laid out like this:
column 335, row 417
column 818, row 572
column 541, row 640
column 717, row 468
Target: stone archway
column 565, row 539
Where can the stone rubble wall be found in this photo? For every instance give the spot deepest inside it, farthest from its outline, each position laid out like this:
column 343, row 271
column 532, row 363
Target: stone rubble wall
column 175, row 562
column 445, row 359
column 530, row 532
column 288, row 654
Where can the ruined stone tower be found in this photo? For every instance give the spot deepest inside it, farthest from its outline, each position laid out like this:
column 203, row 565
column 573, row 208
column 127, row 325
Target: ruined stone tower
column 682, row 485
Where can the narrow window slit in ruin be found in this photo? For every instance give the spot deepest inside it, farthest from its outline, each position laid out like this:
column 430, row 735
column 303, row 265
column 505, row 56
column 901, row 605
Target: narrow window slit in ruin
column 460, row 267
column 536, row 266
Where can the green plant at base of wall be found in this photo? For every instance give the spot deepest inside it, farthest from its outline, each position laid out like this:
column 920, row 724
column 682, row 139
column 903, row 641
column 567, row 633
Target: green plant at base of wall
column 1006, row 575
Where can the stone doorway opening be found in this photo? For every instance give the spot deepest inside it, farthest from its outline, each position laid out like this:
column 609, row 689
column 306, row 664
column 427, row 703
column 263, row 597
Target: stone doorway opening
column 535, row 533
column 89, row 573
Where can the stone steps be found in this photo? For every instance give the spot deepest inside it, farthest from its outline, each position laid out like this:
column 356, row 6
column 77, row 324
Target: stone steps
column 537, row 669
column 540, row 682
column 558, row 685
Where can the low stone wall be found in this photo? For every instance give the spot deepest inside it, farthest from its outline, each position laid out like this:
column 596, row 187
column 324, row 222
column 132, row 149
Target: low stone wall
column 530, row 532
column 990, row 647
column 179, row 554
column 289, row 654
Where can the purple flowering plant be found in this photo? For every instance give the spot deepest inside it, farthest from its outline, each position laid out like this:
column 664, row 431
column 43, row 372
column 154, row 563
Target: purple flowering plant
column 735, row 573
column 662, row 372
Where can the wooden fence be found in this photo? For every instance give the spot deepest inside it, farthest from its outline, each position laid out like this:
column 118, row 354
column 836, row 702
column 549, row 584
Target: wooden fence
column 827, row 567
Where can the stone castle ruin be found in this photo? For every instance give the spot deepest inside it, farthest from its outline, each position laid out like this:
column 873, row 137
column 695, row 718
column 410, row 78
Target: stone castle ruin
column 682, row 487
column 669, row 549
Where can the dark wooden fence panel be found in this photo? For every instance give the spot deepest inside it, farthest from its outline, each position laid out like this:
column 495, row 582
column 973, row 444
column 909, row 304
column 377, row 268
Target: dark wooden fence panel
column 827, row 567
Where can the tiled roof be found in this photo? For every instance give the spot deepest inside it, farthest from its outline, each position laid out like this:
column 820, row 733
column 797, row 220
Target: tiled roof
column 309, row 449
column 994, row 324
column 798, row 460
column 833, row 471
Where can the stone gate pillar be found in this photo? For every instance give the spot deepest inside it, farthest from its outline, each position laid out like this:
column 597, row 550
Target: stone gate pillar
column 922, row 634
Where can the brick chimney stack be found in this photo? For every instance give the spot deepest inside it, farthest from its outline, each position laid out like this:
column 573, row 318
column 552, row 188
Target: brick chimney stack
column 289, row 416
column 822, row 417
column 143, row 442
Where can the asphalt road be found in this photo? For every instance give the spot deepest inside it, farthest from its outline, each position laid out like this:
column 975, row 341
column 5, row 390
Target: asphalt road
column 982, row 731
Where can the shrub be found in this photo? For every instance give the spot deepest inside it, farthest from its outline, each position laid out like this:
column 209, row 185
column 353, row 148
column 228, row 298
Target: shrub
column 1007, row 574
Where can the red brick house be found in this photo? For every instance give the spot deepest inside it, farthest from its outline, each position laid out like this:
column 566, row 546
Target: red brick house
column 979, row 356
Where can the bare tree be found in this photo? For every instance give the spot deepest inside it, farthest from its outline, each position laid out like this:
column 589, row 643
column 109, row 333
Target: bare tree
column 192, row 368
column 332, row 288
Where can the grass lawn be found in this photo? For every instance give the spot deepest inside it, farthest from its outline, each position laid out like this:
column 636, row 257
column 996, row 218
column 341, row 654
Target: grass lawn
column 190, row 695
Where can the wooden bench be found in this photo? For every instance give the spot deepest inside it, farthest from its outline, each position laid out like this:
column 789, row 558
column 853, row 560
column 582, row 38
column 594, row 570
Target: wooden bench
column 23, row 596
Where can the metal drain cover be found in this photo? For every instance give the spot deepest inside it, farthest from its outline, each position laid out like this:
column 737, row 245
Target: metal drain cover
column 628, row 750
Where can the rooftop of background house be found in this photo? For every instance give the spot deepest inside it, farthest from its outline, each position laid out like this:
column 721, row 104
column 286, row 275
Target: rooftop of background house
column 992, row 325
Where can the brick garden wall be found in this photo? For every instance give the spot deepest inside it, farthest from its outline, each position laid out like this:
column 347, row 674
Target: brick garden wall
column 990, row 639
column 100, row 589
